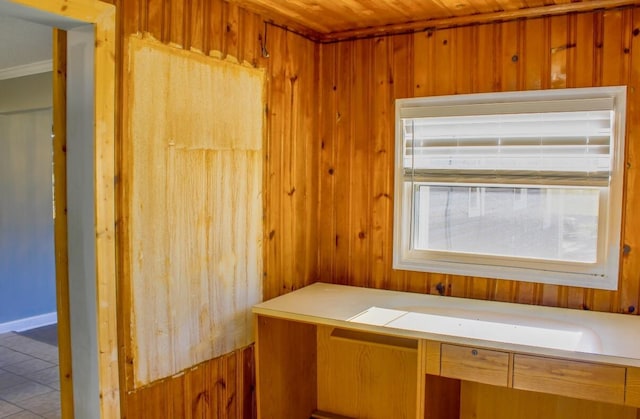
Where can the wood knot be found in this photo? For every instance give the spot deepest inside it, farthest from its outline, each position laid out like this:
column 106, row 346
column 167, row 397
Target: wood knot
column 636, row 32
column 362, row 235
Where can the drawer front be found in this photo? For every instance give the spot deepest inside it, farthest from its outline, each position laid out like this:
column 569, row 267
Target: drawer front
column 474, row 364
column 582, row 380
column 633, row 387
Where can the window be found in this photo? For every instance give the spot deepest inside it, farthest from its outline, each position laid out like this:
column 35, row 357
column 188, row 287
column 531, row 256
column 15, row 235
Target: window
column 518, row 185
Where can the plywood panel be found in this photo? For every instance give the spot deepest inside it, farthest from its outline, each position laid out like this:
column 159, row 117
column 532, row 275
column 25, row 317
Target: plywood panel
column 196, row 209
column 363, row 379
column 481, row 401
column 286, row 355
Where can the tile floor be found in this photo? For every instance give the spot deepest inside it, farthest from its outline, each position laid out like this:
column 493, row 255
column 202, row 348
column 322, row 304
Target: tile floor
column 29, row 382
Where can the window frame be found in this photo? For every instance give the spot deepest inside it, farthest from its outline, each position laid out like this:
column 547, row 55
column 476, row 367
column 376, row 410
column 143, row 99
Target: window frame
column 604, row 274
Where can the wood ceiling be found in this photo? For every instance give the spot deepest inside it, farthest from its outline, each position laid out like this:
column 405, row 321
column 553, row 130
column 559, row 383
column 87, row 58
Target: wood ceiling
column 332, row 20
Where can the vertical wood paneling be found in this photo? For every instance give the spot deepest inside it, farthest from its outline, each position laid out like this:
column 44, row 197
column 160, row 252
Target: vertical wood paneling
column 327, row 170
column 360, row 111
column 401, row 86
column 342, row 172
column 578, row 50
column 291, row 164
column 630, row 285
column 343, row 187
column 224, row 387
column 382, row 120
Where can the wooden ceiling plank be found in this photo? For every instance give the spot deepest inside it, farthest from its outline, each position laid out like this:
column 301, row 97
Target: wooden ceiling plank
column 477, row 19
column 336, row 20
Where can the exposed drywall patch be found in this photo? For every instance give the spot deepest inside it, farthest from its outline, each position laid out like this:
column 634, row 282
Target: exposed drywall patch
column 195, row 205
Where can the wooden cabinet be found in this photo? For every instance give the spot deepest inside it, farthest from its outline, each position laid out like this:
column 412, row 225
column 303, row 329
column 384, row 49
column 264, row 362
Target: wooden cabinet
column 312, row 365
column 556, row 376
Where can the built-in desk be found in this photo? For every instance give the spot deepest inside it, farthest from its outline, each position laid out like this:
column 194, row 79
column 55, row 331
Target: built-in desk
column 367, row 353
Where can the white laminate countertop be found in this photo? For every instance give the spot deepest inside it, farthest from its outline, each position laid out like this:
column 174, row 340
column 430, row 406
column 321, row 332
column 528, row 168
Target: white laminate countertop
column 560, row 332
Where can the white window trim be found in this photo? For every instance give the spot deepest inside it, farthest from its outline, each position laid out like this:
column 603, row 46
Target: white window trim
column 406, row 258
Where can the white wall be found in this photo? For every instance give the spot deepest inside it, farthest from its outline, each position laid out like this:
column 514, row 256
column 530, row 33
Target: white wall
column 81, row 221
column 27, row 266
column 26, row 93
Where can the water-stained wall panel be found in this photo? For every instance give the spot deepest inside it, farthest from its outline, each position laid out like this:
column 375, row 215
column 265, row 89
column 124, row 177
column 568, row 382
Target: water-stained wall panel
column 196, row 129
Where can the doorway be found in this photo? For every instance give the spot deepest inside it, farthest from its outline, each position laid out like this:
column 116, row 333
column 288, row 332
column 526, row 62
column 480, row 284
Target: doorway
column 86, row 250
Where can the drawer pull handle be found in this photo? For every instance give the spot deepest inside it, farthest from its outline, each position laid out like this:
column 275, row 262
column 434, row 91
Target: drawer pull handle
column 474, row 352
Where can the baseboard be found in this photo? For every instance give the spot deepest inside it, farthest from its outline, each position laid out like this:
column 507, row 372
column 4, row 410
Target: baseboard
column 28, row 323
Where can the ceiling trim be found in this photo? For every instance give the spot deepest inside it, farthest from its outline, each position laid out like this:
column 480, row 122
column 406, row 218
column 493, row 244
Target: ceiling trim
column 26, row 69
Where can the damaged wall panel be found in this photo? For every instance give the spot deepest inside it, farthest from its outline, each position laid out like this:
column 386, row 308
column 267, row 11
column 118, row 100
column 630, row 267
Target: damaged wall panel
column 195, row 204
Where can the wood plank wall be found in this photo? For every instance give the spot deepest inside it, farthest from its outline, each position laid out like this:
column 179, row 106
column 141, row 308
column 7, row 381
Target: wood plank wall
column 224, row 387
column 329, row 155
column 361, row 79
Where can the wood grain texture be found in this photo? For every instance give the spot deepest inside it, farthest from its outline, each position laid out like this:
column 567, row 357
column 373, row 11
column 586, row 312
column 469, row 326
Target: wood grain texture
column 195, row 214
column 632, row 389
column 349, row 19
column 363, row 379
column 475, row 364
column 481, row 401
column 290, row 162
column 580, row 50
column 433, row 356
column 61, row 221
column 211, row 389
column 306, row 81
column 605, row 383
column 287, row 368
column 442, row 398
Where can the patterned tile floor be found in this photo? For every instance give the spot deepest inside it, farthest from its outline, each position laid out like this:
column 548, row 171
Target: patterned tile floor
column 29, row 382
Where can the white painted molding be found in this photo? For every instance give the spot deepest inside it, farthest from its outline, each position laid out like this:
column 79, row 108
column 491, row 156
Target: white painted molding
column 26, row 69
column 21, row 325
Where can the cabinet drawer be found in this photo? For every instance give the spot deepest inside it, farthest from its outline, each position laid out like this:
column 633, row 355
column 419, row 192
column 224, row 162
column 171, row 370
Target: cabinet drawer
column 582, row 380
column 474, row 364
column 633, row 387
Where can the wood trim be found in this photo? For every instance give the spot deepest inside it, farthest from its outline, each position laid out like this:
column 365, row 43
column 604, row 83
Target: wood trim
column 424, row 25
column 60, row 221
column 420, row 387
column 26, row 69
column 102, row 15
column 89, row 11
column 105, row 26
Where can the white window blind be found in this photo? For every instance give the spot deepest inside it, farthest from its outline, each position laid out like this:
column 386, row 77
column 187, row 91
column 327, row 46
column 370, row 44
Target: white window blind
column 543, row 147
